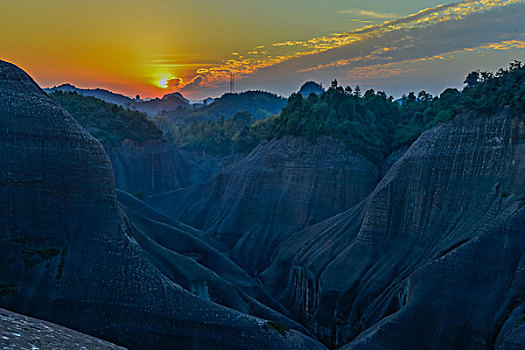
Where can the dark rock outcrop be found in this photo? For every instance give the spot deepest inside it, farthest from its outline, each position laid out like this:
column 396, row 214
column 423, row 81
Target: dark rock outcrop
column 152, row 167
column 71, row 256
column 194, row 261
column 432, row 259
column 22, row 332
column 281, row 187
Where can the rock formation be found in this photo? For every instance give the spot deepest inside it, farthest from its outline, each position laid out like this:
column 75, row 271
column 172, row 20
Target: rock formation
column 281, row 187
column 152, row 167
column 71, row 256
column 432, row 259
column 22, row 332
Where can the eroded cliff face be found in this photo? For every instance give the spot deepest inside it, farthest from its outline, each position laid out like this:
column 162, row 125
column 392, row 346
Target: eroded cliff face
column 70, row 255
column 432, row 259
column 152, row 167
column 281, row 187
column 200, row 265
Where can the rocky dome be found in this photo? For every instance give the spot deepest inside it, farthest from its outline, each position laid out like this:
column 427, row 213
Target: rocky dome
column 70, row 254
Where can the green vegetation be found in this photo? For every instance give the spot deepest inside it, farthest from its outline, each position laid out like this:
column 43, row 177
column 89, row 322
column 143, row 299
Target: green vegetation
column 139, row 195
column 490, row 92
column 259, row 104
column 6, row 289
column 33, row 257
column 520, row 321
column 311, row 87
column 107, row 122
column 373, row 125
column 280, row 328
column 370, row 124
column 221, row 137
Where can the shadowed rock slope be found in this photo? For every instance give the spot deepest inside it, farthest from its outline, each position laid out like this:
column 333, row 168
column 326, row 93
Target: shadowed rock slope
column 199, row 264
column 432, row 259
column 152, row 167
column 281, row 187
column 143, row 161
column 71, row 256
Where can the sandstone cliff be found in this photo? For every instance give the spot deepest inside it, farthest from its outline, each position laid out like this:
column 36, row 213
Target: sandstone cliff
column 432, row 259
column 69, row 253
column 152, row 167
column 281, row 187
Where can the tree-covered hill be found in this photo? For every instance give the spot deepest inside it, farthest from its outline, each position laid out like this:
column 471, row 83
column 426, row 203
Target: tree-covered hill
column 370, row 124
column 107, row 122
column 221, row 137
column 311, row 87
column 375, row 125
column 260, row 104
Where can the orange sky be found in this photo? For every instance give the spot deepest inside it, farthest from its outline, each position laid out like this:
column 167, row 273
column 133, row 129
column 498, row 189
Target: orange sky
column 154, row 47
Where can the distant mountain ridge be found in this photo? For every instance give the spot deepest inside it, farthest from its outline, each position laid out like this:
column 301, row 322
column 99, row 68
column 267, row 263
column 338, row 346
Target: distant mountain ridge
column 260, row 104
column 169, row 102
column 102, row 94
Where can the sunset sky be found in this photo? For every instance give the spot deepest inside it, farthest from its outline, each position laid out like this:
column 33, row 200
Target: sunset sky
column 159, row 46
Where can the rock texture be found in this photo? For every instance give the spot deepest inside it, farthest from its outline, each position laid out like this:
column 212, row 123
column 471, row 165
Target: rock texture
column 432, row 259
column 281, row 187
column 22, row 332
column 152, row 167
column 200, row 265
column 71, row 256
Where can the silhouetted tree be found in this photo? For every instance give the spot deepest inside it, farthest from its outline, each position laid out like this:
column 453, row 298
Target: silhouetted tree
column 472, row 79
column 357, row 91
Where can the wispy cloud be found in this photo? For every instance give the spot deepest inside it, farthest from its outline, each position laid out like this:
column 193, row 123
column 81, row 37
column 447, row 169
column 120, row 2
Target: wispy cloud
column 367, row 14
column 426, row 35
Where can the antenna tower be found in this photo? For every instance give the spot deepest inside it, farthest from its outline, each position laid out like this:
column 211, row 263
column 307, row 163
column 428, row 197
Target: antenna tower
column 232, row 83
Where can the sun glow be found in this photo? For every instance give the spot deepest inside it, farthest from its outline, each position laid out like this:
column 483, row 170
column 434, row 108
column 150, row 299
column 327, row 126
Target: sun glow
column 163, row 81
column 167, row 81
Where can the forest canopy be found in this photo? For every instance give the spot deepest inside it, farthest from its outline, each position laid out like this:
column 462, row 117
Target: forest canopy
column 107, row 122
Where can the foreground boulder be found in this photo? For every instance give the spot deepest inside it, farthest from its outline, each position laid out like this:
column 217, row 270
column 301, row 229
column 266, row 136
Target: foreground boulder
column 281, row 187
column 22, row 332
column 432, row 259
column 68, row 252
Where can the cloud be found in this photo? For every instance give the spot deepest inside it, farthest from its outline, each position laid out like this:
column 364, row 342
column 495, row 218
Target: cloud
column 429, row 34
column 196, row 84
column 368, row 14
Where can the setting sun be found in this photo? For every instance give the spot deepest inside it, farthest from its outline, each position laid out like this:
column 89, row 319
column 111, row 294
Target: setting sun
column 163, row 83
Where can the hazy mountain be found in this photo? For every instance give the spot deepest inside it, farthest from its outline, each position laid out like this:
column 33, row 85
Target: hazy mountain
column 101, row 94
column 169, row 102
column 260, row 104
column 311, row 87
column 143, row 161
